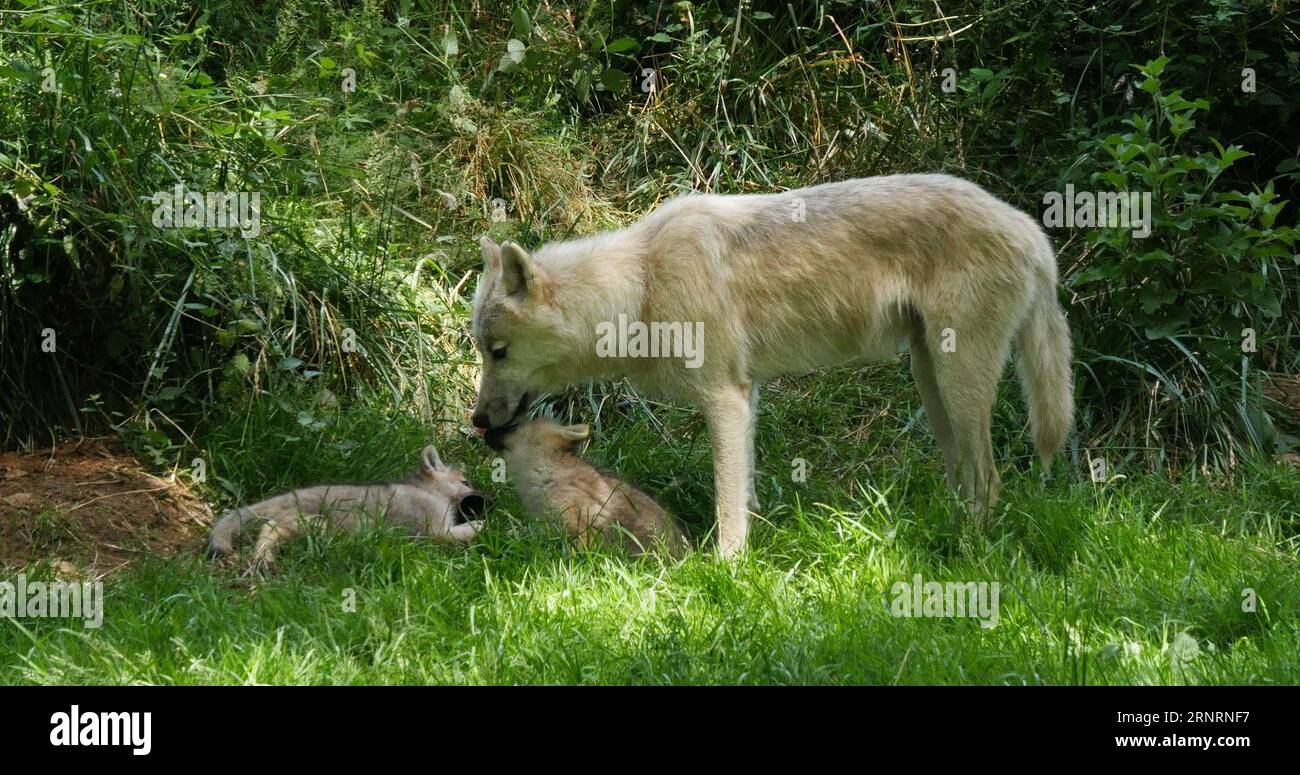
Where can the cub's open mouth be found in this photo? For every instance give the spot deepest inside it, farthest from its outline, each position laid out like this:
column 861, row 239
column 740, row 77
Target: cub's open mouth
column 472, row 506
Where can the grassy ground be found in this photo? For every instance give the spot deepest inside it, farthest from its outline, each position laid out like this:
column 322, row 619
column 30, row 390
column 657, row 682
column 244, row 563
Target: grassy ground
column 1140, row 580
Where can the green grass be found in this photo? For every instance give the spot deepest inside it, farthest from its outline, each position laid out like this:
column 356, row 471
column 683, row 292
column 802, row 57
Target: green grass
column 1098, row 582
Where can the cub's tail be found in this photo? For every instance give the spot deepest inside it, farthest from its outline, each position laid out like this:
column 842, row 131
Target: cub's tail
column 230, row 526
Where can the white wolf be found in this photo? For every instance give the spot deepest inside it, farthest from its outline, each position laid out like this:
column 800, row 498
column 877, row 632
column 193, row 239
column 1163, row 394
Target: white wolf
column 436, row 501
column 785, row 283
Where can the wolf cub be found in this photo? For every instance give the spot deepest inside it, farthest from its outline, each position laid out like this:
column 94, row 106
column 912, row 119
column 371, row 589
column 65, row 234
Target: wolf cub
column 553, row 482
column 435, row 501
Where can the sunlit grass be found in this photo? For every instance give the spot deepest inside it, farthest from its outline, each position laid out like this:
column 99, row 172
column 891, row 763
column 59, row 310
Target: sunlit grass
column 1098, row 582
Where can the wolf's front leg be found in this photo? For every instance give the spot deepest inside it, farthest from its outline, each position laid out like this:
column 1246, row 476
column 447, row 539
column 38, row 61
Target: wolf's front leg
column 465, row 532
column 728, row 414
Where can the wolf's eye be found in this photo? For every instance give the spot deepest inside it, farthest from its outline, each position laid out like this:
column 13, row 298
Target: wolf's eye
column 499, row 353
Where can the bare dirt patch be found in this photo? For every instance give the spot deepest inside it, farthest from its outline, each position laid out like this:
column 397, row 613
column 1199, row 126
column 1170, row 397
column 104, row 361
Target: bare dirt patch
column 1285, row 391
column 88, row 507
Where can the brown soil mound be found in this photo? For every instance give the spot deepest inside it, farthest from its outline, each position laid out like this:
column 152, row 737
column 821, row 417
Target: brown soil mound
column 87, row 507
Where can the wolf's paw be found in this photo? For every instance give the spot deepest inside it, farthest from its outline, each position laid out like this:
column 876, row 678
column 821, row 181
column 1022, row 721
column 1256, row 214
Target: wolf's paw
column 465, row 531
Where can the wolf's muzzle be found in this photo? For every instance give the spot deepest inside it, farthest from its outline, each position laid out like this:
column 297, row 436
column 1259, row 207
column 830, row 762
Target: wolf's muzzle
column 482, row 419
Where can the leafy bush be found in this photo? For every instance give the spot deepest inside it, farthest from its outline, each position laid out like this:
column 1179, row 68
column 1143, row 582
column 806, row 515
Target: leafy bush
column 537, row 120
column 162, row 325
column 1209, row 294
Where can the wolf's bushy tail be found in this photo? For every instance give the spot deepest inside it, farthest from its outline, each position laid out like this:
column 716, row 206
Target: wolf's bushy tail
column 1045, row 373
column 228, row 528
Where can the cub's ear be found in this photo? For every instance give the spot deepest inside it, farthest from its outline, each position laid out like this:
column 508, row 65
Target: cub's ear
column 491, row 254
column 429, row 459
column 575, row 433
column 517, row 274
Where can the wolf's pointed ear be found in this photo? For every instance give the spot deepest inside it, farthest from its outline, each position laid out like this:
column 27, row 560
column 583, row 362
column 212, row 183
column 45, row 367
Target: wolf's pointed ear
column 516, row 270
column 429, row 459
column 491, row 254
column 576, row 433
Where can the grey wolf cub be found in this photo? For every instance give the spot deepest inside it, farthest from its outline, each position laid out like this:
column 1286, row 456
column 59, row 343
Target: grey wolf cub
column 435, row 501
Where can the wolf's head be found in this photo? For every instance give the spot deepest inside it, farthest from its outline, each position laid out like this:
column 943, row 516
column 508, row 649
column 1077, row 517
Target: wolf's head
column 539, row 438
column 517, row 329
column 439, row 478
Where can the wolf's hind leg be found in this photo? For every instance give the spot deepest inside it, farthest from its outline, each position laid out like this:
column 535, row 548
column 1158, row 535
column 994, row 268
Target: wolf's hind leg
column 967, row 380
column 273, row 533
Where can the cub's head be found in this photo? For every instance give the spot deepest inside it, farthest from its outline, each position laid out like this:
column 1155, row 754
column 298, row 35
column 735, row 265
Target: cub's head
column 437, row 477
column 518, row 331
column 539, row 438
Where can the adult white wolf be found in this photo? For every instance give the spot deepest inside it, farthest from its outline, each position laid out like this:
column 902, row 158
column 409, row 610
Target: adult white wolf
column 785, row 283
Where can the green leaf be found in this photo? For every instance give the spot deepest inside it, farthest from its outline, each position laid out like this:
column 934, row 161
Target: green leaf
column 522, row 24
column 1170, row 326
column 514, row 55
column 1230, row 154
column 1154, row 298
column 615, row 81
column 70, row 248
column 1155, row 66
column 622, row 44
column 1093, row 274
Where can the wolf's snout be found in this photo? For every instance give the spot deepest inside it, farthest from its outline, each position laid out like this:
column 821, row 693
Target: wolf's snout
column 473, row 506
column 490, row 414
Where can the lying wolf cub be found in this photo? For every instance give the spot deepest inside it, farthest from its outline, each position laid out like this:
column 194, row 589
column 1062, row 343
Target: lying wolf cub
column 435, row 501
column 554, row 482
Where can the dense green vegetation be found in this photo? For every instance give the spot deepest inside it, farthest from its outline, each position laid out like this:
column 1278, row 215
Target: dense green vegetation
column 385, row 137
